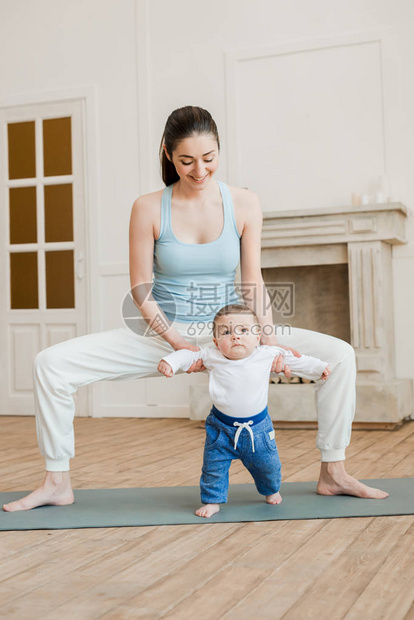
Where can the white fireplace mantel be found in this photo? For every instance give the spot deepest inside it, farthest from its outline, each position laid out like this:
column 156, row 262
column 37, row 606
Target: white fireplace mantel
column 363, row 238
column 286, row 234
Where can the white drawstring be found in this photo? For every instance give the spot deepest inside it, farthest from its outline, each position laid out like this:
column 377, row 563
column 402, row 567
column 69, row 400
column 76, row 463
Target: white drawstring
column 242, row 425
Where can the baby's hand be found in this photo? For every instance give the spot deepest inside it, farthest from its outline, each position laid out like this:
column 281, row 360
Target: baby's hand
column 165, row 369
column 326, row 373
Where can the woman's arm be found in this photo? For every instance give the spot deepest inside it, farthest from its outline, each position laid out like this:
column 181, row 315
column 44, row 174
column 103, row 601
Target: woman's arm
column 141, row 256
column 253, row 288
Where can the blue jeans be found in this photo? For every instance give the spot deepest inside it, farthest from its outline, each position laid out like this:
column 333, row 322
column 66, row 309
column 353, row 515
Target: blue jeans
column 263, row 463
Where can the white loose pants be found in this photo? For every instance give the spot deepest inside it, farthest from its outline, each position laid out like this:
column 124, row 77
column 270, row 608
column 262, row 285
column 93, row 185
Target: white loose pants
column 120, row 354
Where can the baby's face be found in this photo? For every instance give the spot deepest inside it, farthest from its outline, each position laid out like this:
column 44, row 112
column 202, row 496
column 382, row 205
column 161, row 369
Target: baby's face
column 237, row 335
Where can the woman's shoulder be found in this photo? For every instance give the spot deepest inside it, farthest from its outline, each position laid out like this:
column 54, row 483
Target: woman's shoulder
column 148, row 201
column 246, row 203
column 146, row 213
column 244, row 197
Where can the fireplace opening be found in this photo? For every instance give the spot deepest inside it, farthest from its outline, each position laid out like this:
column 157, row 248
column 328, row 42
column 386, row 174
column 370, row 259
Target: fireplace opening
column 320, row 298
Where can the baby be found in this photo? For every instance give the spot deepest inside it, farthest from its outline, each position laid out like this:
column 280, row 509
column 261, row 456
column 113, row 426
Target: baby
column 239, row 425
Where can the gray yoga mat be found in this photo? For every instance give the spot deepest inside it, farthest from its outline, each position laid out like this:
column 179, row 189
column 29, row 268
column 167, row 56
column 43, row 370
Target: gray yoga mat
column 176, row 505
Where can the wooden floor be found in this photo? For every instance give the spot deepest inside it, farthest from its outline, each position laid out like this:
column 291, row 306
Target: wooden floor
column 359, row 568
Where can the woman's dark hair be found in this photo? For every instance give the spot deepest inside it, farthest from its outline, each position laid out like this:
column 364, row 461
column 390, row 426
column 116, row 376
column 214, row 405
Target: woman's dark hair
column 181, row 124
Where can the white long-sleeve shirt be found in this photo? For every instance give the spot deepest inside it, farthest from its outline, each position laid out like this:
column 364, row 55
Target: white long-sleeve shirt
column 239, row 388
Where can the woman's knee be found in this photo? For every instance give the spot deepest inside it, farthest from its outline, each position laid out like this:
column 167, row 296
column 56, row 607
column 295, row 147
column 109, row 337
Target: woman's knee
column 347, row 350
column 343, row 351
column 46, row 360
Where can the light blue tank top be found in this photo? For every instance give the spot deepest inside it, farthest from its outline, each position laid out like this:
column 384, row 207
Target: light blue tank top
column 192, row 281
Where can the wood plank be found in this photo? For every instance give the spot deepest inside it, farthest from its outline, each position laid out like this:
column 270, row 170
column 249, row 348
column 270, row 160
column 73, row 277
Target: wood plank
column 230, row 589
column 99, row 553
column 354, row 570
column 410, row 613
column 281, row 540
column 166, row 571
column 390, row 594
column 128, row 573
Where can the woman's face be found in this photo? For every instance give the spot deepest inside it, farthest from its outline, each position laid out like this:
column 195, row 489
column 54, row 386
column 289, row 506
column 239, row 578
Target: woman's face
column 196, row 160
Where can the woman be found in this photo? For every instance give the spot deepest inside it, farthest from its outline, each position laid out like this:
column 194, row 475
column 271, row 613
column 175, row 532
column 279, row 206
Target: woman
column 191, row 235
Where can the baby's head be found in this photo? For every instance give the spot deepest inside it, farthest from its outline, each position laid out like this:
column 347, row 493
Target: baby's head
column 236, row 331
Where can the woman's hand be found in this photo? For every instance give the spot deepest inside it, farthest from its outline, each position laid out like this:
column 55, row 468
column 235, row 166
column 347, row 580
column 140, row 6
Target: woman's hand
column 278, row 364
column 196, row 367
column 295, row 353
column 182, row 343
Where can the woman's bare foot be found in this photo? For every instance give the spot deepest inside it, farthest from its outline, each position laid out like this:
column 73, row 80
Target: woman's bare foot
column 207, row 510
column 276, row 498
column 334, row 480
column 56, row 490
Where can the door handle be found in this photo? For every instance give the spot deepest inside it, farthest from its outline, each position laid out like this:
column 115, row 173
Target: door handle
column 80, row 267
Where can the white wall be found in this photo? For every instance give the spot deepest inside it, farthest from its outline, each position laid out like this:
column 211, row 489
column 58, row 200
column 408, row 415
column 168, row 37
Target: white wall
column 52, row 45
column 148, row 57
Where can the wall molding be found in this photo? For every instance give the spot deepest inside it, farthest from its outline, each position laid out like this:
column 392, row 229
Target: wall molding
column 390, row 67
column 114, row 410
column 143, row 95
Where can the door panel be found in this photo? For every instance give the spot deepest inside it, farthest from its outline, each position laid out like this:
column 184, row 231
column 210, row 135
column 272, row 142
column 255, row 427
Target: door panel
column 25, row 341
column 42, row 237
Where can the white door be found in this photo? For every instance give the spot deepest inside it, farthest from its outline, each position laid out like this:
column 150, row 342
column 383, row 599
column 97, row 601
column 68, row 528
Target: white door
column 42, row 242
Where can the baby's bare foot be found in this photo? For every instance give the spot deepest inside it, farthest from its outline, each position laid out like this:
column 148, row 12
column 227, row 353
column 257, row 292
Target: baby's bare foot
column 207, row 510
column 276, row 498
